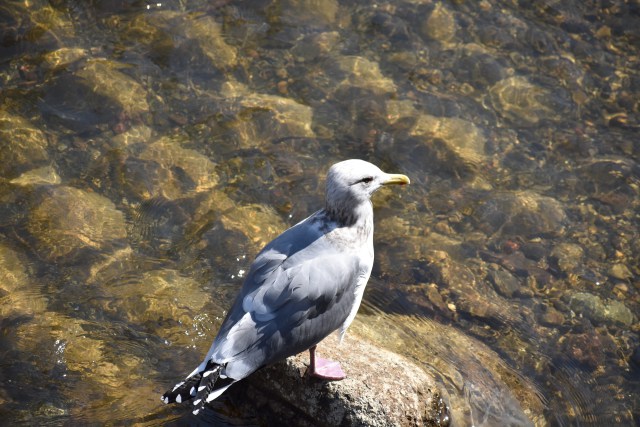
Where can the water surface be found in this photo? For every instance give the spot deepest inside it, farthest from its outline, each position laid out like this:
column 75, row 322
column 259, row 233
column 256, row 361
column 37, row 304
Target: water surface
column 149, row 150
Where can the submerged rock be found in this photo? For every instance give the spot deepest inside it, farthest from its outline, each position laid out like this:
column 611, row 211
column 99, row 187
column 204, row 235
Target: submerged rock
column 521, row 212
column 186, row 170
column 504, row 283
column 601, row 311
column 363, row 73
column 209, row 42
column 67, row 221
column 479, row 69
column 22, row 145
column 162, row 169
column 588, row 348
column 453, row 140
column 61, row 58
column 138, row 134
column 219, row 216
column 192, row 41
column 440, row 25
column 607, row 175
column 568, row 256
column 310, row 12
column 470, row 294
column 17, row 293
column 550, row 316
column 472, row 379
column 12, row 272
column 106, row 79
column 151, row 31
column 98, row 93
column 44, row 175
column 527, row 104
column 260, row 119
column 316, row 45
column 161, row 296
column 620, row 271
column 286, row 117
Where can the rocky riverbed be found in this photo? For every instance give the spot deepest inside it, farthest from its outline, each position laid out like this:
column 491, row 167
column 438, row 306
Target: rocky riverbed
column 149, row 150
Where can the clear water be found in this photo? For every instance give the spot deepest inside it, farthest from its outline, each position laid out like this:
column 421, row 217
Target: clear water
column 149, row 150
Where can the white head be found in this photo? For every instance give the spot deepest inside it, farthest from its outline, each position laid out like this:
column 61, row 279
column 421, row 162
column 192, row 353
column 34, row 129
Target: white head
column 351, row 183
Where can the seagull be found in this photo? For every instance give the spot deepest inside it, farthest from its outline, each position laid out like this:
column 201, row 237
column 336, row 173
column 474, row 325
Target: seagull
column 305, row 284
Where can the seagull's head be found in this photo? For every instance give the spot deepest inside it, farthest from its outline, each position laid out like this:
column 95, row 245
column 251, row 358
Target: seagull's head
column 351, row 183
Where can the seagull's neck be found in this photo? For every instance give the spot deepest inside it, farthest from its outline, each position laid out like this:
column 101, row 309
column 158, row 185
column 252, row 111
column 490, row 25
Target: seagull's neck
column 355, row 223
column 358, row 215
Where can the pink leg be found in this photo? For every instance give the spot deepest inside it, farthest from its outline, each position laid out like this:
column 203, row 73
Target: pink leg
column 324, row 368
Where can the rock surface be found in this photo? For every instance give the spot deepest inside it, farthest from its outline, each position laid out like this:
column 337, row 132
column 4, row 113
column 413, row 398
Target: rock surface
column 514, row 212
column 67, row 222
column 381, row 389
column 601, row 311
column 22, row 145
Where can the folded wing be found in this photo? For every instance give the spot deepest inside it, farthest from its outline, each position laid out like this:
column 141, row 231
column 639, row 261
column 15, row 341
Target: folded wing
column 293, row 298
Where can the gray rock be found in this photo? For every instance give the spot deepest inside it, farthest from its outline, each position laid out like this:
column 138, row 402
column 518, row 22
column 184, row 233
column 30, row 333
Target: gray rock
column 550, row 316
column 476, row 383
column 369, row 396
column 599, row 311
column 504, row 283
column 568, row 256
column 619, row 313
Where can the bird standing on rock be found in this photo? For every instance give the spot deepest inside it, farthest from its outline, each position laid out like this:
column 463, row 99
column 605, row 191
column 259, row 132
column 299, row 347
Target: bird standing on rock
column 305, row 284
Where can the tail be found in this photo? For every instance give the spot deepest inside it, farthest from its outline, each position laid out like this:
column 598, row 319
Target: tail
column 202, row 385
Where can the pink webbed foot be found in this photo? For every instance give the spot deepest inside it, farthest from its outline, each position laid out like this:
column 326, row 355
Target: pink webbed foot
column 328, row 370
column 324, row 368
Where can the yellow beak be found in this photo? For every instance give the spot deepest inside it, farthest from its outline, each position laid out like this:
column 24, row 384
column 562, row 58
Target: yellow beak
column 396, row 179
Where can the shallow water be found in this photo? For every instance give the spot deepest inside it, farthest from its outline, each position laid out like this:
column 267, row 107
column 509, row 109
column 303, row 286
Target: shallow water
column 149, row 150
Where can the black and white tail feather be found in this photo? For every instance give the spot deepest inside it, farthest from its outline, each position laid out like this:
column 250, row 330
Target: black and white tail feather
column 203, row 385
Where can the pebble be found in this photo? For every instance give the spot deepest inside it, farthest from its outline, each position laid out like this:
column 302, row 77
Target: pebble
column 620, row 271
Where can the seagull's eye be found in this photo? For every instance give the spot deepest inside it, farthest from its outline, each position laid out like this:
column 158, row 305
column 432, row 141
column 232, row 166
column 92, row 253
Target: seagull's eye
column 367, row 179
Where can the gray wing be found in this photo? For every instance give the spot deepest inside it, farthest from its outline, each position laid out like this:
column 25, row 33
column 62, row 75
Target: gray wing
column 299, row 289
